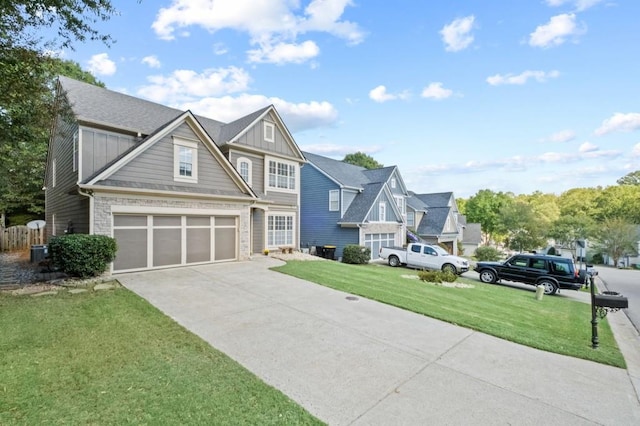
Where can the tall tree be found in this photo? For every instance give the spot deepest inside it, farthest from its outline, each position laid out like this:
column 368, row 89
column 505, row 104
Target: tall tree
column 484, row 208
column 523, row 227
column 617, row 238
column 621, row 201
column 363, row 160
column 26, row 86
column 568, row 229
column 632, row 178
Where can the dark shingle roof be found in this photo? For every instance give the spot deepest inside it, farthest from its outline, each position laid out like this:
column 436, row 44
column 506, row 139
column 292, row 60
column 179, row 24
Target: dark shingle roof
column 472, row 234
column 232, row 129
column 344, row 173
column 361, row 205
column 379, row 175
column 416, row 203
column 439, row 199
column 433, row 222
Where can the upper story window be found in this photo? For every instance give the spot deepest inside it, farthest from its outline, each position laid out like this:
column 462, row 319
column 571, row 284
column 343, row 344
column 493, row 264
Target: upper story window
column 185, row 161
column 400, row 202
column 244, row 168
column 269, row 132
column 334, row 200
column 282, row 175
column 411, row 219
column 382, row 211
column 393, row 183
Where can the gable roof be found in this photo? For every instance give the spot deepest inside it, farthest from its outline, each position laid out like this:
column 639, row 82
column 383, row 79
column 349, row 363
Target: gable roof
column 416, row 203
column 439, row 199
column 344, row 174
column 472, row 234
column 231, row 130
column 433, row 221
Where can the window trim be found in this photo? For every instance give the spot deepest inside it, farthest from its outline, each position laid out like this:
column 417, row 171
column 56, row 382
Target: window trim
column 335, row 202
column 412, row 215
column 269, row 128
column 393, row 183
column 270, row 238
column 75, row 152
column 182, row 143
column 289, row 164
column 53, row 173
column 239, row 162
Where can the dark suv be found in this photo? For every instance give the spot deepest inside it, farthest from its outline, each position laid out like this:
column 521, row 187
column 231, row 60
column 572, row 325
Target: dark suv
column 553, row 272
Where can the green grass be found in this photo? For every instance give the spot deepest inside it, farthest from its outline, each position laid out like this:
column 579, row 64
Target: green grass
column 553, row 324
column 111, row 358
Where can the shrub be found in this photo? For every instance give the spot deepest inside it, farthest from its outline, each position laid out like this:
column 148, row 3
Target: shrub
column 356, row 254
column 487, row 253
column 437, row 276
column 82, row 255
column 597, row 259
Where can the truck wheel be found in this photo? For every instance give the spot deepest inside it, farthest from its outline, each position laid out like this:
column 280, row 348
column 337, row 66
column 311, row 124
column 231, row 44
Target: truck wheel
column 487, row 276
column 549, row 286
column 447, row 267
column 394, row 261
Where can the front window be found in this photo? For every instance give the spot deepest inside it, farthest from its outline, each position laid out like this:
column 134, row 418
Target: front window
column 185, row 166
column 410, row 219
column 334, row 200
column 382, row 211
column 280, row 231
column 244, row 168
column 282, row 175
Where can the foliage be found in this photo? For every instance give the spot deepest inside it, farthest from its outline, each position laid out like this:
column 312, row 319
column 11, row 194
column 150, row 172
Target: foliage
column 597, row 258
column 617, row 238
column 567, row 229
column 363, row 160
column 506, row 312
column 111, row 358
column 524, row 230
column 488, row 253
column 355, row 254
column 484, row 208
column 82, row 255
column 437, row 276
column 460, row 248
column 632, row 178
column 621, row 201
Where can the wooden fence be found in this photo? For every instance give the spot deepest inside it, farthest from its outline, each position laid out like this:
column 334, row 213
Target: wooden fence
column 17, row 238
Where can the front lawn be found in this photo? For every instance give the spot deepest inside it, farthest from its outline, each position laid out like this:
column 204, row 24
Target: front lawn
column 111, row 358
column 553, row 324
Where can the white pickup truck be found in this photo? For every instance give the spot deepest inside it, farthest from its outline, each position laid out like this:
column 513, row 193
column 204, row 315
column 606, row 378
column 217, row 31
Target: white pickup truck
column 424, row 256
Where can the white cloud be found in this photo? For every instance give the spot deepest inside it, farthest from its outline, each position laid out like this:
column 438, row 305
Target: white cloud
column 269, row 23
column 152, row 61
column 379, row 94
column 284, row 53
column 339, row 151
column 562, row 136
column 588, row 147
column 522, row 78
column 188, row 85
column 100, row 64
column 297, row 116
column 635, row 152
column 457, row 35
column 219, row 49
column 556, row 31
column 436, row 91
column 580, row 5
column 620, row 122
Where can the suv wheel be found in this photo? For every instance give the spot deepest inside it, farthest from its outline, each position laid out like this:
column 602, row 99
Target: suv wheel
column 487, row 276
column 549, row 287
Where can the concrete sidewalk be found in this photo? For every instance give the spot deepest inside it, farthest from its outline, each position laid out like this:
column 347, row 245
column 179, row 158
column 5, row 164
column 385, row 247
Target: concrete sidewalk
column 354, row 361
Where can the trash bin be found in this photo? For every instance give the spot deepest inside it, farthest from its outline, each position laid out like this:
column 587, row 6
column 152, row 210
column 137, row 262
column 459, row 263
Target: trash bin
column 329, row 252
column 38, row 252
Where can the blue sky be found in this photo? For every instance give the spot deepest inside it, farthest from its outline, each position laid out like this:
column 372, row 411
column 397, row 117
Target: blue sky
column 461, row 95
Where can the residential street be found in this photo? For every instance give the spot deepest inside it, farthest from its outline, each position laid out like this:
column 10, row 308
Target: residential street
column 627, row 283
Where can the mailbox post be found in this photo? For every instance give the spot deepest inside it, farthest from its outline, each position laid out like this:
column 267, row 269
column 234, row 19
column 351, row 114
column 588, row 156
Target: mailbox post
column 601, row 304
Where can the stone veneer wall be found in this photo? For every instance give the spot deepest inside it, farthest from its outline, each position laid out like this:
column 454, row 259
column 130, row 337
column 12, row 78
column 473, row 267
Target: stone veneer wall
column 102, row 213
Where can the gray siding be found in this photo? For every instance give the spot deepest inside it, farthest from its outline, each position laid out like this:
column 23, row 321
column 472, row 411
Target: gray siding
column 63, row 200
column 282, row 198
column 154, row 167
column 390, row 213
column 100, row 147
column 398, row 189
column 257, row 168
column 258, row 231
column 254, row 137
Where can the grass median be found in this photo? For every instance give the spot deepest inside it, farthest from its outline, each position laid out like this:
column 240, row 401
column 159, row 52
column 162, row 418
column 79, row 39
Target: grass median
column 553, row 324
column 111, row 358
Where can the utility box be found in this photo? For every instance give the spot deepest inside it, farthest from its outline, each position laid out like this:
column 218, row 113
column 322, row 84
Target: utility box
column 38, row 253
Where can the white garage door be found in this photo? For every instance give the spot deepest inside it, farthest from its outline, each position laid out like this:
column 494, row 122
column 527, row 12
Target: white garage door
column 375, row 241
column 158, row 241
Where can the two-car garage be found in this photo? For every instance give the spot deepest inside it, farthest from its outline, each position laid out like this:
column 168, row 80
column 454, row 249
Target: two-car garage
column 150, row 241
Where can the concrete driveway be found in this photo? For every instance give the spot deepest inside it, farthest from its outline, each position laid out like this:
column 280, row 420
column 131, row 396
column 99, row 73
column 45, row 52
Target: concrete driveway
column 354, row 361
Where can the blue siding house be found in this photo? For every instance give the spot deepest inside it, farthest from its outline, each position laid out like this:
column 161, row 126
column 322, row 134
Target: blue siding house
column 344, row 204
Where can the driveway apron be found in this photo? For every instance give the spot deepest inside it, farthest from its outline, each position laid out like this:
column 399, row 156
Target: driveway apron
column 349, row 360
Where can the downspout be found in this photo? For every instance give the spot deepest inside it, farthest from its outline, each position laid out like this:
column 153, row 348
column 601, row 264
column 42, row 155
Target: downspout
column 89, row 193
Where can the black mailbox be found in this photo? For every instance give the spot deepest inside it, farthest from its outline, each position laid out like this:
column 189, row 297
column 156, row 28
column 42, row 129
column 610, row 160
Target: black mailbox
column 610, row 299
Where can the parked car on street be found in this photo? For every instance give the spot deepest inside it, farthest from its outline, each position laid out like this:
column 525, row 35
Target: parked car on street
column 552, row 272
column 424, row 256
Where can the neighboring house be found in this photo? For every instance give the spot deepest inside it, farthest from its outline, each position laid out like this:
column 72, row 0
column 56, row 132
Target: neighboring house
column 171, row 187
column 435, row 218
column 471, row 238
column 345, row 204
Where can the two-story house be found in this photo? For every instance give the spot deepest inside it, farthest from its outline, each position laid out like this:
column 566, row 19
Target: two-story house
column 345, row 204
column 435, row 218
column 171, row 187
